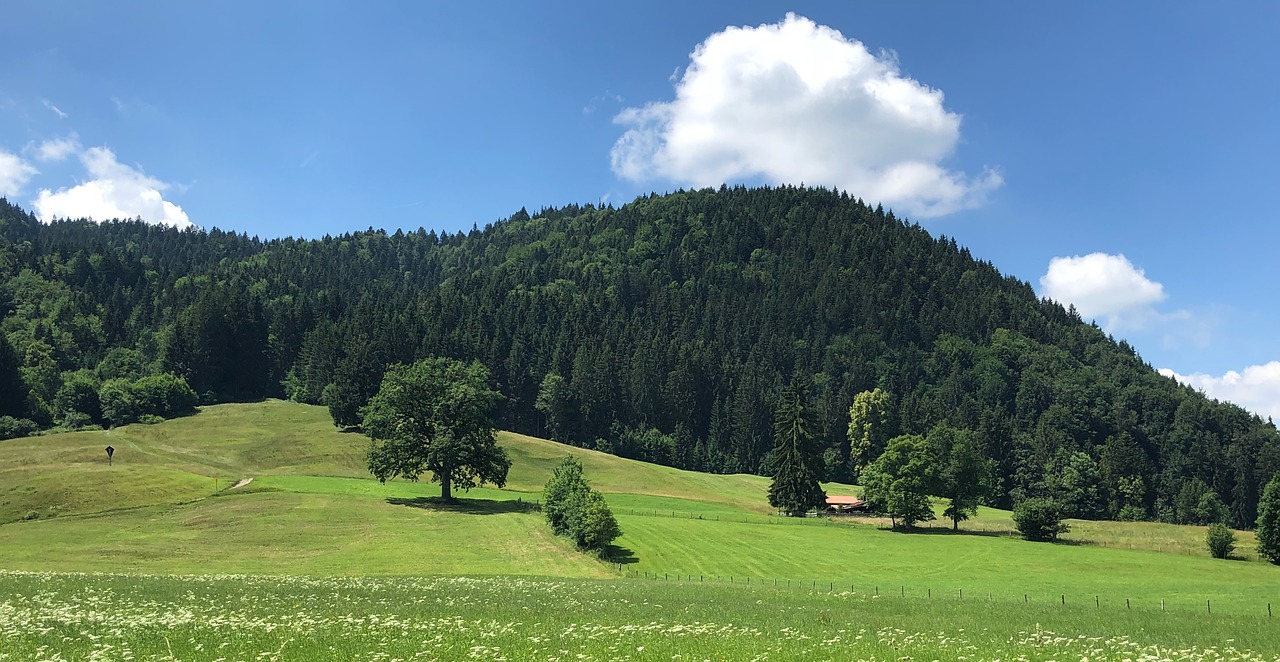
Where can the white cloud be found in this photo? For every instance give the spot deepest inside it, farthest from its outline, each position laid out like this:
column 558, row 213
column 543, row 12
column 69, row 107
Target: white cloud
column 115, row 191
column 14, row 173
column 796, row 102
column 56, row 110
column 1256, row 389
column 1106, row 287
column 56, row 149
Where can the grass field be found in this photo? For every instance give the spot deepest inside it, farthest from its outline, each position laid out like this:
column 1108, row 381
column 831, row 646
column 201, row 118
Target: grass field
column 312, row 511
column 104, row 617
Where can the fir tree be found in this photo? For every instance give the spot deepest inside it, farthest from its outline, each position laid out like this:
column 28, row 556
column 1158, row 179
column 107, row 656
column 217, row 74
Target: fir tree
column 1268, row 531
column 796, row 459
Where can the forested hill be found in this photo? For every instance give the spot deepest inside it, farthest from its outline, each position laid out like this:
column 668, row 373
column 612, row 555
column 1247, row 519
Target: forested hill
column 662, row 330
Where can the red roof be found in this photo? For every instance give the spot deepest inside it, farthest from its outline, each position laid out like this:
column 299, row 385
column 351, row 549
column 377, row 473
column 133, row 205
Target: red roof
column 844, row 501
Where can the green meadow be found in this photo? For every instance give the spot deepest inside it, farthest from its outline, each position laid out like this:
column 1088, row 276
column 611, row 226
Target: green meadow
column 703, row 570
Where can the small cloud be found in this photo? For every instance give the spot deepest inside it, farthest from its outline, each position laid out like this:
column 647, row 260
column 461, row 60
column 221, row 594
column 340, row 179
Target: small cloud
column 14, row 173
column 1256, row 388
column 1106, row 287
column 56, row 149
column 797, row 102
column 56, row 110
column 596, row 101
column 116, row 191
column 120, row 105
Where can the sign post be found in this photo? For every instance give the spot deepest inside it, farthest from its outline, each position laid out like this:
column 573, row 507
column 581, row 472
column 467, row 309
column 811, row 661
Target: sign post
column 110, row 451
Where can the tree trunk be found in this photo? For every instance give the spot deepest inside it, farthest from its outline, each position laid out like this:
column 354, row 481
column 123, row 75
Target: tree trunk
column 955, row 525
column 446, row 486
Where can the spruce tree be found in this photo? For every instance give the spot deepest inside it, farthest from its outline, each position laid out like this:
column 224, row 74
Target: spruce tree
column 1268, row 531
column 796, row 459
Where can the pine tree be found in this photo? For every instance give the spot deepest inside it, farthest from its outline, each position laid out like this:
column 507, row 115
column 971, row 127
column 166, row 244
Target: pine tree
column 1268, row 531
column 796, row 459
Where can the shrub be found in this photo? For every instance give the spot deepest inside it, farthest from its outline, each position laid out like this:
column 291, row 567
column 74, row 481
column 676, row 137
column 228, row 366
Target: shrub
column 76, row 402
column 1039, row 520
column 165, row 395
column 119, row 404
column 12, row 428
column 575, row 510
column 594, row 526
column 565, row 484
column 1132, row 513
column 152, row 398
column 1221, row 541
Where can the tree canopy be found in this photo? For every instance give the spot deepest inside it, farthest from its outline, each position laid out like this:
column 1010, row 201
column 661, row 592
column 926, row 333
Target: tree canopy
column 435, row 415
column 897, row 483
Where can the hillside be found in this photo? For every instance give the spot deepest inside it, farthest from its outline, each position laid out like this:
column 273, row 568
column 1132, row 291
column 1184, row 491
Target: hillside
column 660, row 330
column 311, row 511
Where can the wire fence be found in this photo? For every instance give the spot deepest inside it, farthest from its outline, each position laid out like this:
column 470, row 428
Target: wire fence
column 902, row 591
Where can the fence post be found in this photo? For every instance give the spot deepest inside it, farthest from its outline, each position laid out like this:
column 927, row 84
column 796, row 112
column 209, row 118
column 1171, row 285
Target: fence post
column 1207, row 607
column 1161, row 604
column 1268, row 610
column 961, row 594
column 1025, row 598
column 902, row 591
column 1126, row 603
column 1064, row 599
column 930, row 593
column 1096, row 603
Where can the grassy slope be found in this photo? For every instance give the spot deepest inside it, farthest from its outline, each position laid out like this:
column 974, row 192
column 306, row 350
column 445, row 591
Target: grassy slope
column 312, row 510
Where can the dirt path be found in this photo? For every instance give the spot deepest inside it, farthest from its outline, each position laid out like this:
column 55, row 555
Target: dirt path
column 242, row 482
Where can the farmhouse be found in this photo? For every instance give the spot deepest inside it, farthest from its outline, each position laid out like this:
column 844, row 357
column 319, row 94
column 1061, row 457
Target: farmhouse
column 840, row 505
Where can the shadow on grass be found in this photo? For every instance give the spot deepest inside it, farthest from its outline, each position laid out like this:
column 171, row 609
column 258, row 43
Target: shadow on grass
column 939, row 531
column 466, row 506
column 619, row 555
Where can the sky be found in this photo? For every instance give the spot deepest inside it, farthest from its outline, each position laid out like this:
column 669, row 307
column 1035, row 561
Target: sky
column 1120, row 157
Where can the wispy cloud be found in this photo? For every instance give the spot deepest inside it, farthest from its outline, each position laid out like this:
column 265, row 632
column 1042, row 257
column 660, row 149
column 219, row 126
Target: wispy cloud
column 310, row 157
column 56, row 110
column 596, row 101
column 55, row 149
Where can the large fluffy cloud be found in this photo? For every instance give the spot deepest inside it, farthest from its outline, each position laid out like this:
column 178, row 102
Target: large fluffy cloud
column 14, row 173
column 1104, row 287
column 796, row 102
column 1256, row 389
column 115, row 190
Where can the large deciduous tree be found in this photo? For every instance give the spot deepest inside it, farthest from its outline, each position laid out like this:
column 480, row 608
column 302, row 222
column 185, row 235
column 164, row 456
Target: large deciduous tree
column 898, row 482
column 964, row 475
column 436, row 415
column 797, row 460
column 868, row 427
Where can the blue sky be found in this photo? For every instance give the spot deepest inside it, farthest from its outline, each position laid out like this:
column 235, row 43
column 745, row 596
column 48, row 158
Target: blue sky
column 1120, row 156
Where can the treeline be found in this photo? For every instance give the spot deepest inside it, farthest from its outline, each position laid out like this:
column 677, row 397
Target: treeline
column 664, row 330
